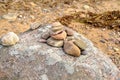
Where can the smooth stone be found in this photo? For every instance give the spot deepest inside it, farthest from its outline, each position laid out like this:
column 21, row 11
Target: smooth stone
column 55, row 32
column 45, row 35
column 57, row 28
column 80, row 44
column 71, row 49
column 54, row 42
column 60, row 36
column 86, row 7
column 10, row 16
column 35, row 25
column 56, row 24
column 70, row 38
column 9, row 39
column 69, row 31
column 115, row 49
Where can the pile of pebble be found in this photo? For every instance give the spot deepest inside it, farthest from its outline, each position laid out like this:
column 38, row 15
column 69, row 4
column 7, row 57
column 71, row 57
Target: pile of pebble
column 61, row 36
column 58, row 36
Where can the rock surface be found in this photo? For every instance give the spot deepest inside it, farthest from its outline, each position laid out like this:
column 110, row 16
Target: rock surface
column 9, row 39
column 32, row 60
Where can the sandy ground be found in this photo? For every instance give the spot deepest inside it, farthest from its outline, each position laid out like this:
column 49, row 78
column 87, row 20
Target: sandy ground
column 47, row 11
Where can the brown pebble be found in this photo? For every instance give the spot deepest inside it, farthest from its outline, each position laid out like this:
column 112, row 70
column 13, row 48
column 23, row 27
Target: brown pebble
column 69, row 31
column 35, row 25
column 57, row 28
column 59, row 36
column 54, row 42
column 56, row 24
column 71, row 49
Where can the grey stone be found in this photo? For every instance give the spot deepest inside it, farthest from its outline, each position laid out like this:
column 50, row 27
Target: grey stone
column 82, row 45
column 54, row 42
column 32, row 60
column 45, row 35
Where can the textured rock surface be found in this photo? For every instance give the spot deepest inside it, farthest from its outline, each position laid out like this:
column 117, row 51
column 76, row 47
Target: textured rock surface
column 9, row 39
column 32, row 60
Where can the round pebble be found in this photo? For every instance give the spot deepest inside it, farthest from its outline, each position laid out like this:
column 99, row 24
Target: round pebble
column 9, row 39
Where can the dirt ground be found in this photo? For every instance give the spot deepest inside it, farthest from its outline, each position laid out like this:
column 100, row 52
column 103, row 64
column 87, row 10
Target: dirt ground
column 24, row 12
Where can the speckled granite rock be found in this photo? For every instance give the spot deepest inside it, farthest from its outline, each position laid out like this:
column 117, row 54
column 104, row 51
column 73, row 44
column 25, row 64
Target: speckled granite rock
column 32, row 60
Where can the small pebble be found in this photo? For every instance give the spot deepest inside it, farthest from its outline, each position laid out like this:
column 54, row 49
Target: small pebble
column 45, row 35
column 9, row 39
column 115, row 49
column 80, row 43
column 102, row 40
column 35, row 25
column 86, row 7
column 56, row 24
column 71, row 49
column 69, row 31
column 54, row 42
column 59, row 36
column 84, row 53
column 10, row 16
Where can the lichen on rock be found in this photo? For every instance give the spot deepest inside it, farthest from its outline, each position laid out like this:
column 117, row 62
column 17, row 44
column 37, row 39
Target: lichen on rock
column 40, row 61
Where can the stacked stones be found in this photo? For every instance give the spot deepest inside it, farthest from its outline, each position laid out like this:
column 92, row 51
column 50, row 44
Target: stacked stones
column 60, row 36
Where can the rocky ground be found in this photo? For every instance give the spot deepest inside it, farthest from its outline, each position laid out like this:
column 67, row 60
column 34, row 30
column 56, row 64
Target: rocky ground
column 17, row 15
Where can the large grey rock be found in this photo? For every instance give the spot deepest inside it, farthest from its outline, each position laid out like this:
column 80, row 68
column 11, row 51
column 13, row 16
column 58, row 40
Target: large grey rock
column 32, row 60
